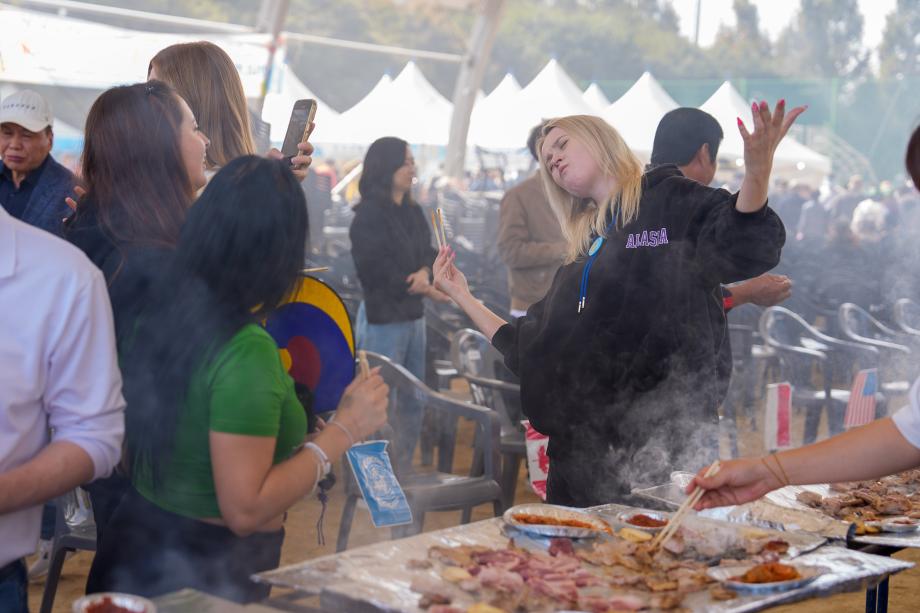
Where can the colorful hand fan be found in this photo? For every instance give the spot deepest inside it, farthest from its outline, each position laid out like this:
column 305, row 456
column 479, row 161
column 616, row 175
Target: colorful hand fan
column 316, row 341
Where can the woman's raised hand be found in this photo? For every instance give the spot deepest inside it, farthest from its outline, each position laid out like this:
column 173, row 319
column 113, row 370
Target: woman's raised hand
column 363, row 407
column 447, row 277
column 769, row 130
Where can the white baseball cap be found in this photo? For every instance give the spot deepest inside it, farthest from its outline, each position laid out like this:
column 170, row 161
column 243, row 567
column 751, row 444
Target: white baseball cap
column 27, row 109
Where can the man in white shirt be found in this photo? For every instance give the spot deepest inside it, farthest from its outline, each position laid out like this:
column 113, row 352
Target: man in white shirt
column 58, row 371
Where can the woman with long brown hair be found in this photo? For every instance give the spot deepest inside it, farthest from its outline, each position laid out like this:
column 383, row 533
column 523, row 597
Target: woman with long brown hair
column 204, row 75
column 617, row 362
column 143, row 162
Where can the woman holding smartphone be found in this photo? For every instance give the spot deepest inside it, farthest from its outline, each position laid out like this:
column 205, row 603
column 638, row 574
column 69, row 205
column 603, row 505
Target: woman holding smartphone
column 617, row 363
column 214, row 430
column 205, row 76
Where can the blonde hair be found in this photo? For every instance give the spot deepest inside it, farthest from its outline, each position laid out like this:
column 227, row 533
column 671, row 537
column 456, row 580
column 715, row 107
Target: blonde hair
column 204, row 75
column 580, row 221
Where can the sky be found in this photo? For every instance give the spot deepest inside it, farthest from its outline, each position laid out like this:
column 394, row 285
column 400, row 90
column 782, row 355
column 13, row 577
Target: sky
column 774, row 16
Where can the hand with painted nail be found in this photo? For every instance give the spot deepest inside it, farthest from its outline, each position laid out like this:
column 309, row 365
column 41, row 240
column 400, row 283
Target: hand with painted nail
column 447, row 277
column 759, row 147
column 769, row 130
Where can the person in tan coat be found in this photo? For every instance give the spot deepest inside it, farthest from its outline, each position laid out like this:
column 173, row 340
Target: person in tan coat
column 530, row 239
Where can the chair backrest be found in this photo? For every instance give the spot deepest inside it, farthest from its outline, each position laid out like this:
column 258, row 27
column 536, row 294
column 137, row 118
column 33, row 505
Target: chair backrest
column 856, row 321
column 487, row 422
column 907, row 316
column 491, row 383
column 784, row 330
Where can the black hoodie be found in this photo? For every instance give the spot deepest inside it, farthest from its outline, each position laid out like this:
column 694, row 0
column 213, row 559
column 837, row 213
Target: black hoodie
column 627, row 390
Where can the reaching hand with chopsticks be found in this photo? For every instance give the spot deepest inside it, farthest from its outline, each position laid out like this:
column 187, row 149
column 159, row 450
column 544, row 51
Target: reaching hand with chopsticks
column 674, row 523
column 738, row 481
column 868, row 452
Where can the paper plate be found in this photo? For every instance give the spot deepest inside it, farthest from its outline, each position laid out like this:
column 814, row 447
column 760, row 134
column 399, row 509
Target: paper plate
column 726, row 576
column 553, row 513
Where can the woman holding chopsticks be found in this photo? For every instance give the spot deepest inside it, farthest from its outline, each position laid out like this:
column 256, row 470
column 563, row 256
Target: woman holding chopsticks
column 391, row 248
column 617, row 362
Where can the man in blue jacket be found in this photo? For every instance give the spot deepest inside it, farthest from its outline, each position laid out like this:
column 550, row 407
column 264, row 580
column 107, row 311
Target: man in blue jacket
column 32, row 185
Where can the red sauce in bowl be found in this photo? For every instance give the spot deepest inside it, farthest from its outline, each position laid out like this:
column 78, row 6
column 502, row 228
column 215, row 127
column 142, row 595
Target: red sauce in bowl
column 106, row 606
column 644, row 521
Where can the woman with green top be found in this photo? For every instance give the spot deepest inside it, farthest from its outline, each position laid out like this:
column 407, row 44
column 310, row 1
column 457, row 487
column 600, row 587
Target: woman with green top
column 215, row 434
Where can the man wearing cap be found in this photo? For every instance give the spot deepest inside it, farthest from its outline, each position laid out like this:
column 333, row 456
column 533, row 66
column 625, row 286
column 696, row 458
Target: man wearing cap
column 32, row 185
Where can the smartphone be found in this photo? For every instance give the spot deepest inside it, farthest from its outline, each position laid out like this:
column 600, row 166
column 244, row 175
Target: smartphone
column 298, row 129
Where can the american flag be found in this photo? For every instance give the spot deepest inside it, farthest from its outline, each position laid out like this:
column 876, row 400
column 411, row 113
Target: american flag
column 861, row 406
column 778, row 416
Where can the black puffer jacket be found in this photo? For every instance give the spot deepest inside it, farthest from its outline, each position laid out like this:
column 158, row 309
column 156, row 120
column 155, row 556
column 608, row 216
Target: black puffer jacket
column 388, row 243
column 628, row 389
column 130, row 270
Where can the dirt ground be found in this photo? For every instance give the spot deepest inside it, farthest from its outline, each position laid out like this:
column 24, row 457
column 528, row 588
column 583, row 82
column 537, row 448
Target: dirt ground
column 301, row 540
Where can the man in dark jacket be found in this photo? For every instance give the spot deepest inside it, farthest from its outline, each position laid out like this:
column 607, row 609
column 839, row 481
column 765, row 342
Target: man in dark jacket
column 32, row 185
column 690, row 139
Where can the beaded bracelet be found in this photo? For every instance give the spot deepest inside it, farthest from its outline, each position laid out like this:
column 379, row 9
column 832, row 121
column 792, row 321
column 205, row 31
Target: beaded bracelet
column 351, row 439
column 781, row 469
column 772, row 472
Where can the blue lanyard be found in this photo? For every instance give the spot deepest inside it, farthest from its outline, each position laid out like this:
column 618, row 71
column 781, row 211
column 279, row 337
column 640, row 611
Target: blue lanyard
column 592, row 255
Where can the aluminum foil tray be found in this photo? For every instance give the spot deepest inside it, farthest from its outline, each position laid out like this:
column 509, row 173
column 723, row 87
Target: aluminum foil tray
column 780, row 510
column 376, row 578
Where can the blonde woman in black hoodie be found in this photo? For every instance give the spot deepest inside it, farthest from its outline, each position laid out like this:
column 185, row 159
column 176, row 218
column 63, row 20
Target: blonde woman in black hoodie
column 616, row 362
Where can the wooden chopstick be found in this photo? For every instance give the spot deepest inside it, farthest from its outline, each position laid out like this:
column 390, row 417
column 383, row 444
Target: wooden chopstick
column 441, row 226
column 677, row 518
column 437, row 233
column 365, row 367
column 307, row 271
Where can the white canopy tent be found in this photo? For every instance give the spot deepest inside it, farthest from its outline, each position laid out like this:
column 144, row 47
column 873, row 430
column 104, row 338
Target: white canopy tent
column 552, row 93
column 636, row 113
column 596, row 98
column 40, row 48
column 792, row 160
column 485, row 121
column 286, row 90
column 408, row 107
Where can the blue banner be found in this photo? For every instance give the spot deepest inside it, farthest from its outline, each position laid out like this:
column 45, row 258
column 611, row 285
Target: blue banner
column 386, row 500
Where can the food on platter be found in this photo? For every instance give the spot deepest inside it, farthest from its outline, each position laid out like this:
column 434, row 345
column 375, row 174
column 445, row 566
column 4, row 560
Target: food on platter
column 612, row 573
column 107, row 606
column 652, row 522
column 644, row 520
column 552, row 520
column 770, row 572
column 113, row 602
column 764, row 578
column 543, row 520
column 870, row 501
column 634, row 536
column 894, row 524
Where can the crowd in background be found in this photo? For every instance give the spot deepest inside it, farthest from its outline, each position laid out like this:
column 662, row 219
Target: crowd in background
column 182, row 234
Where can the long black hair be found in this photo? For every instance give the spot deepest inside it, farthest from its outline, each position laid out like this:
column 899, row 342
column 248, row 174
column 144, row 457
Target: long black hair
column 383, row 158
column 240, row 254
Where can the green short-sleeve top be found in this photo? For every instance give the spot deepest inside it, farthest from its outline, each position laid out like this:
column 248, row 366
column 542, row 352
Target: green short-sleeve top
column 245, row 390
